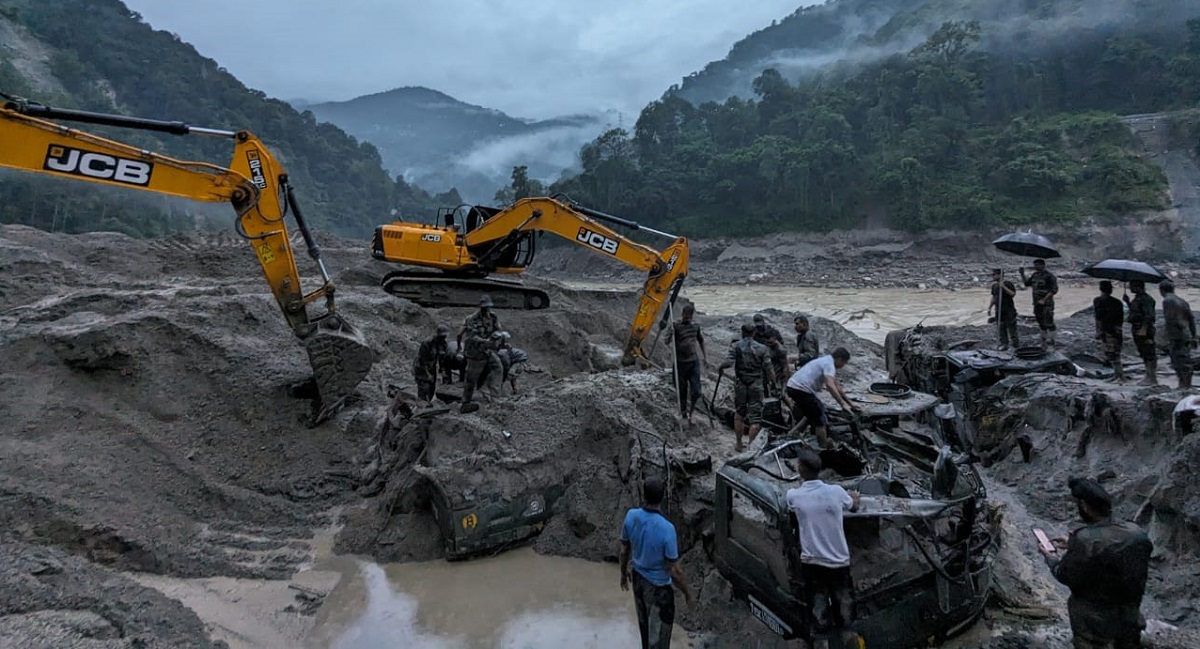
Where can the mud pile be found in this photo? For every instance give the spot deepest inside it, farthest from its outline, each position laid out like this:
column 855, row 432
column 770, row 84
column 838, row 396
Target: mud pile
column 154, row 418
column 155, row 403
column 1126, row 436
column 155, row 406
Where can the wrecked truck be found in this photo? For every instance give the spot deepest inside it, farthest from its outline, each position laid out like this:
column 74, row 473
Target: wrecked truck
column 921, row 547
column 962, row 372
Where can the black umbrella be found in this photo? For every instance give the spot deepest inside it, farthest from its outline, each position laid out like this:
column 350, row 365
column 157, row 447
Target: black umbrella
column 1124, row 270
column 1027, row 244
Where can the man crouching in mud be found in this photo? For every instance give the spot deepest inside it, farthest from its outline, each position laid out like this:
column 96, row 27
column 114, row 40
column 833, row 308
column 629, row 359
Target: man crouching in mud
column 1105, row 566
column 649, row 538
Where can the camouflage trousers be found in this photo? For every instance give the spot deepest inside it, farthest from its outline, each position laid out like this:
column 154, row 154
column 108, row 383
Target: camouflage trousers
column 475, row 369
column 1145, row 345
column 1180, row 352
column 748, row 401
column 1008, row 332
column 1044, row 314
column 1111, row 341
column 426, row 380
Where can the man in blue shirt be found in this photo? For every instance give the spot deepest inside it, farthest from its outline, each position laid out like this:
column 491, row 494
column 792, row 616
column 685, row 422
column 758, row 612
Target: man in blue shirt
column 649, row 538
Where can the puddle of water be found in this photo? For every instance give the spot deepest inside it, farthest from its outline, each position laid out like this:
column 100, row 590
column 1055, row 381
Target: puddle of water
column 872, row 313
column 517, row 600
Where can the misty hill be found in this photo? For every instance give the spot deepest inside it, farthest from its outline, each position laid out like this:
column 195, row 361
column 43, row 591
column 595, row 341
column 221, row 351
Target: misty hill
column 441, row 142
column 1009, row 119
column 841, row 34
column 97, row 55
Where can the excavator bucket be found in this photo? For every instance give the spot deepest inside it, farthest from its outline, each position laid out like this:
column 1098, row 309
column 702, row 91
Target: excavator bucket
column 340, row 359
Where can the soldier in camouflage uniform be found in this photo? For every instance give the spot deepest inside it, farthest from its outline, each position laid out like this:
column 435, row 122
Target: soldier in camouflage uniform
column 1141, row 322
column 1181, row 332
column 480, row 350
column 1045, row 287
column 1105, row 566
column 430, row 356
column 765, row 334
column 807, row 346
column 752, row 369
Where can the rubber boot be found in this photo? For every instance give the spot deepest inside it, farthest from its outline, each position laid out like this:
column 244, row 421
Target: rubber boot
column 1151, row 373
column 1042, row 337
column 1185, row 380
column 1118, row 372
column 1051, row 337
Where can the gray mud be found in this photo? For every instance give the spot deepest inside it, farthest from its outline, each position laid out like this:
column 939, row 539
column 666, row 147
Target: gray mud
column 154, row 422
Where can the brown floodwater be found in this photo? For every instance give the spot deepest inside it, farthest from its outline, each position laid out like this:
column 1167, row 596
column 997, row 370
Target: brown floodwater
column 872, row 312
column 516, row 600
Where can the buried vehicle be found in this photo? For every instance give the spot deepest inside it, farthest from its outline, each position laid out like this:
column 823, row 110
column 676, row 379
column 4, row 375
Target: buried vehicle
column 937, row 360
column 921, row 549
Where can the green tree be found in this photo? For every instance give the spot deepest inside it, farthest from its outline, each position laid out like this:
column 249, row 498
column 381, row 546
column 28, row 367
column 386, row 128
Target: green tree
column 522, row 186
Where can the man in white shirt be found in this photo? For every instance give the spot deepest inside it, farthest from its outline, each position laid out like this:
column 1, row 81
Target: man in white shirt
column 824, row 553
column 808, row 381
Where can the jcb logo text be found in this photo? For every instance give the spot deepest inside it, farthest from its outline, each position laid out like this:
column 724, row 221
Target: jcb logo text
column 431, row 237
column 597, row 241
column 77, row 162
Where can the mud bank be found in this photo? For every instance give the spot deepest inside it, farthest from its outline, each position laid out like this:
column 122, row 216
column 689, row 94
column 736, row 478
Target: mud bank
column 155, row 402
column 1125, row 436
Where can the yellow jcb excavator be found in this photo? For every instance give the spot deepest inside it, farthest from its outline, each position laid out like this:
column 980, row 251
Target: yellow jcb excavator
column 503, row 241
column 254, row 183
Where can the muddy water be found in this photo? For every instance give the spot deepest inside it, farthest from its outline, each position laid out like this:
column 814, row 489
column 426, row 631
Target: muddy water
column 517, row 600
column 872, row 313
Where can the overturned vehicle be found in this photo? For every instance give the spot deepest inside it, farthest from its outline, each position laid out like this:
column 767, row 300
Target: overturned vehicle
column 921, row 549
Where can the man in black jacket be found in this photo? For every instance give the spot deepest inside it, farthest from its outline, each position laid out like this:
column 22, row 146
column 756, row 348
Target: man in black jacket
column 1110, row 322
column 1105, row 566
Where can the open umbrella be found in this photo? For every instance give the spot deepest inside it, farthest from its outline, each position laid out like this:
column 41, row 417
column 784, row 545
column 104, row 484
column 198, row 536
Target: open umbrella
column 1026, row 244
column 1124, row 270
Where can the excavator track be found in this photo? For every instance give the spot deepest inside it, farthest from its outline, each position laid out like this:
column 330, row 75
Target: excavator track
column 436, row 290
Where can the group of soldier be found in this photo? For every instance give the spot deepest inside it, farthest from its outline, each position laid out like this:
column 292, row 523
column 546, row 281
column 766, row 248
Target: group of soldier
column 1044, row 287
column 760, row 363
column 482, row 353
column 1110, row 316
column 1177, row 317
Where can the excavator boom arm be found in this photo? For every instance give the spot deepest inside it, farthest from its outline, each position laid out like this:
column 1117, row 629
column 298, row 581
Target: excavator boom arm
column 254, row 184
column 666, row 269
column 566, row 221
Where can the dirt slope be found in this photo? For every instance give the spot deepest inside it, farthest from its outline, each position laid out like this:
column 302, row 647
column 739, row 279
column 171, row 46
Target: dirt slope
column 153, row 421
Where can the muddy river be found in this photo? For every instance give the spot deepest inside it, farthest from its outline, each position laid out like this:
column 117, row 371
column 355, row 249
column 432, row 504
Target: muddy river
column 519, row 600
column 872, row 313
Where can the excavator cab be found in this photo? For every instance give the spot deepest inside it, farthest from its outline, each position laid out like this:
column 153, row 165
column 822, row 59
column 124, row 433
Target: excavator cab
column 254, row 184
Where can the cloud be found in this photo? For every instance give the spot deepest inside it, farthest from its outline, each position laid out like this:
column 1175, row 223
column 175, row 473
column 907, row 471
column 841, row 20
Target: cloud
column 529, row 58
column 547, row 152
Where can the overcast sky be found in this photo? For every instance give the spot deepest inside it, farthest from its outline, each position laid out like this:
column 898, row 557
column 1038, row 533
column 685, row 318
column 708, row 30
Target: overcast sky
column 529, row 58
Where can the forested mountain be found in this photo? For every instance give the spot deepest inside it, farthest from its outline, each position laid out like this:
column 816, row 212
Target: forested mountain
column 441, row 142
column 982, row 123
column 97, row 55
column 841, row 34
